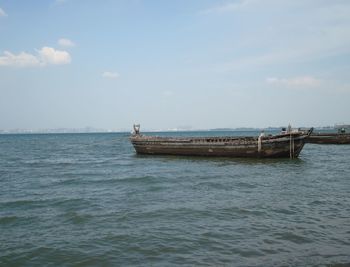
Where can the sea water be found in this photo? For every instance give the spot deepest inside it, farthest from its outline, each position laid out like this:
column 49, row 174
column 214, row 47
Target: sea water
column 89, row 200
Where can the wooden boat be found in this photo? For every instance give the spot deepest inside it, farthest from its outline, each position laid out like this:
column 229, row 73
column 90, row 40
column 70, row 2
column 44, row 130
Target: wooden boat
column 286, row 145
column 329, row 138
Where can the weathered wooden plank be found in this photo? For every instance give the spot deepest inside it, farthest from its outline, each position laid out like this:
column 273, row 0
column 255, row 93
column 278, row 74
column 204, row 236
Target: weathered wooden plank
column 283, row 145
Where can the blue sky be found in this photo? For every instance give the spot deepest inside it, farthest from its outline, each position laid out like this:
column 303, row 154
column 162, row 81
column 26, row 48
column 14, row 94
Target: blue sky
column 170, row 64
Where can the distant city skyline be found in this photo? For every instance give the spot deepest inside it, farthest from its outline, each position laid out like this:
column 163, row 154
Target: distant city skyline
column 195, row 64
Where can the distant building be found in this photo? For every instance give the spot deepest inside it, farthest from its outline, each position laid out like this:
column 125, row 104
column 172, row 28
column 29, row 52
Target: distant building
column 340, row 126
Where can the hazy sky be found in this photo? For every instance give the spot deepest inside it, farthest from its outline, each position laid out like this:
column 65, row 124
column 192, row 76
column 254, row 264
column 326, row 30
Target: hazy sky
column 168, row 64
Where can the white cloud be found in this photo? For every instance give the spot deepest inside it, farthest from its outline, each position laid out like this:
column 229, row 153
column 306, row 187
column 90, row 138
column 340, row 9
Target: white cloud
column 56, row 57
column 45, row 56
column 252, row 62
column 66, row 42
column 228, row 7
column 21, row 60
column 58, row 2
column 281, row 5
column 275, row 38
column 297, row 82
column 110, row 75
column 2, row 13
column 222, row 8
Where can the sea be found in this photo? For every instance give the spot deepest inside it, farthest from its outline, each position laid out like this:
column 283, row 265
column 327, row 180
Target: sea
column 90, row 200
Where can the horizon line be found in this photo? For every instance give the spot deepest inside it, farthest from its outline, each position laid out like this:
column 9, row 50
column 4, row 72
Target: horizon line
column 96, row 130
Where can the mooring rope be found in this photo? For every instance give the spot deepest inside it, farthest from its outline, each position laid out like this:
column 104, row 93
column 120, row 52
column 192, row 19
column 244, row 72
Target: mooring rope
column 290, row 145
column 259, row 144
column 260, row 141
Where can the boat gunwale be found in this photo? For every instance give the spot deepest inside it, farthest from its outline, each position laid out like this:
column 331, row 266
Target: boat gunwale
column 217, row 139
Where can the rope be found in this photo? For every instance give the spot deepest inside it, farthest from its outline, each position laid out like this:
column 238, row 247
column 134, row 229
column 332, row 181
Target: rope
column 290, row 145
column 259, row 143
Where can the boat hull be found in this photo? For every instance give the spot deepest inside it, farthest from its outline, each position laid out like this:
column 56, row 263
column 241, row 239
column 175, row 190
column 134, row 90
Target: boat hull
column 330, row 138
column 286, row 146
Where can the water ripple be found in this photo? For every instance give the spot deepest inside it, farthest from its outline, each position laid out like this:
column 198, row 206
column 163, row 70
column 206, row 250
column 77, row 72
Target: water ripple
column 88, row 200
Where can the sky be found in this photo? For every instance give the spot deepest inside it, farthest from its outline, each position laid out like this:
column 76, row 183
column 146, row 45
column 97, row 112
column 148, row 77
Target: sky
column 189, row 64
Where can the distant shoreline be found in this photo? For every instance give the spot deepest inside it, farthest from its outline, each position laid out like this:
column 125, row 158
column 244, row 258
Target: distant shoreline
column 91, row 130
